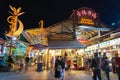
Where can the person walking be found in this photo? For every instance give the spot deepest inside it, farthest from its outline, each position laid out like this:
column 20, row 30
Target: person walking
column 113, row 65
column 69, row 65
column 39, row 66
column 105, row 66
column 95, row 65
column 11, row 63
column 58, row 67
column 117, row 64
column 21, row 65
column 62, row 73
column 2, row 61
column 51, row 64
column 27, row 61
column 87, row 64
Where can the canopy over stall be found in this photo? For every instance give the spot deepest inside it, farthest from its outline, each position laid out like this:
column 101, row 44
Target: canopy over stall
column 64, row 44
column 38, row 46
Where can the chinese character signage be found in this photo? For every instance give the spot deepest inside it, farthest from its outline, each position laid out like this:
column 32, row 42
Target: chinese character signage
column 86, row 16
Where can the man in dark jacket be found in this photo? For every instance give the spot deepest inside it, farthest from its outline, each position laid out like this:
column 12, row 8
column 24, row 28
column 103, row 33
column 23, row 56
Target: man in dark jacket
column 27, row 60
column 105, row 66
column 95, row 65
column 57, row 67
column 11, row 63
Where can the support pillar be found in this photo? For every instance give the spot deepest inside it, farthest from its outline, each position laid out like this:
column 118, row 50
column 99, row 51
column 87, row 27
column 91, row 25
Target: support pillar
column 48, row 56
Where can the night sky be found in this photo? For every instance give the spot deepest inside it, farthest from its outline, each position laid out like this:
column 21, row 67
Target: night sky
column 53, row 11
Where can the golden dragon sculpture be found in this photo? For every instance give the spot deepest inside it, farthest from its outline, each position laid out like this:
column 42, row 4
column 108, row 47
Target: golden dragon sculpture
column 15, row 30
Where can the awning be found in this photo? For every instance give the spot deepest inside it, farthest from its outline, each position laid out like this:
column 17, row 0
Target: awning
column 38, row 46
column 64, row 44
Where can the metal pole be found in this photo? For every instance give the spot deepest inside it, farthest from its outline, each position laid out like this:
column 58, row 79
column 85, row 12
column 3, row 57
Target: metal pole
column 11, row 46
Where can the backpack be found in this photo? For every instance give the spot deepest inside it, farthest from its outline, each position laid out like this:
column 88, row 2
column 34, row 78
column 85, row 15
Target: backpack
column 105, row 65
column 95, row 62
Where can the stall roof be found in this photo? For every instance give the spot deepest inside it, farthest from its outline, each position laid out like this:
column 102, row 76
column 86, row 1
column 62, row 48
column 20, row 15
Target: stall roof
column 38, row 46
column 64, row 44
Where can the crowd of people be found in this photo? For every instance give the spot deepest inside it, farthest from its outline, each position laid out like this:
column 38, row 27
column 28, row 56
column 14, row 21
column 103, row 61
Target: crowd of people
column 102, row 63
column 96, row 64
column 23, row 63
column 59, row 67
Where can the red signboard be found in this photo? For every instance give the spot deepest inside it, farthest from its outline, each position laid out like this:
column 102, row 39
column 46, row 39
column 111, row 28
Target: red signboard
column 86, row 12
column 83, row 40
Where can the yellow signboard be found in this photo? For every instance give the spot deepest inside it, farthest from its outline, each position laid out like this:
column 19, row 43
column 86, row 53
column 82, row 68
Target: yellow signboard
column 86, row 21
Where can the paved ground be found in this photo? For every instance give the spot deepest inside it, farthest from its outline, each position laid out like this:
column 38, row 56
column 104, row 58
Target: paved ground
column 48, row 75
column 44, row 75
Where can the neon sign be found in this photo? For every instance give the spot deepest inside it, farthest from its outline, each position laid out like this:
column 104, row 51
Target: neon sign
column 86, row 12
column 86, row 16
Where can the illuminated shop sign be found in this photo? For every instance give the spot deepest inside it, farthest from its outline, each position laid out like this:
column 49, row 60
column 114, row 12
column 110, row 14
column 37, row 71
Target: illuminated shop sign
column 86, row 21
column 86, row 12
column 86, row 16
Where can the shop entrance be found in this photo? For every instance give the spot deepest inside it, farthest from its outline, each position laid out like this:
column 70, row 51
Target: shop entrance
column 74, row 57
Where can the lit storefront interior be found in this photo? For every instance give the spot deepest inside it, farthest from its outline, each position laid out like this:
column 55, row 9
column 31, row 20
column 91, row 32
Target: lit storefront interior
column 110, row 47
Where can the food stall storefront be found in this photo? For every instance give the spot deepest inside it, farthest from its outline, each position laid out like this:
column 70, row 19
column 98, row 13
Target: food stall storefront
column 111, row 47
column 69, row 49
